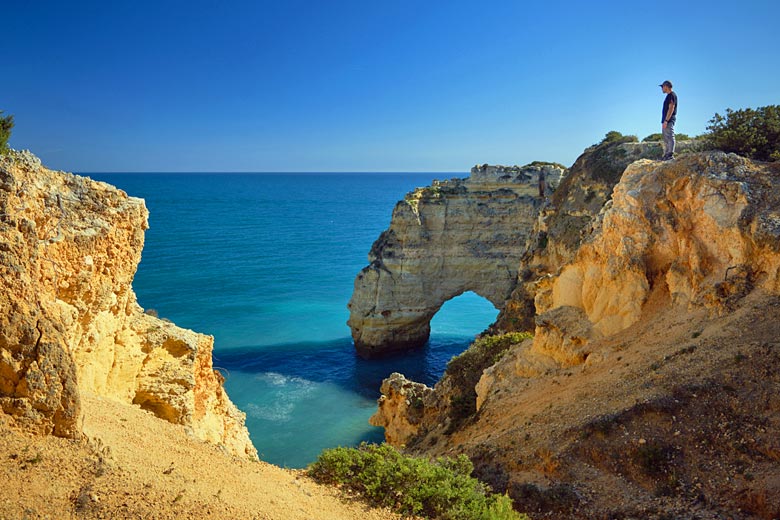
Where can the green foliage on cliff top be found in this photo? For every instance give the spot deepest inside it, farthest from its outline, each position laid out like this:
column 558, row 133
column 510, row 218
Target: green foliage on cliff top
column 465, row 370
column 440, row 489
column 748, row 132
column 614, row 136
column 608, row 159
column 660, row 137
column 6, row 124
column 546, row 163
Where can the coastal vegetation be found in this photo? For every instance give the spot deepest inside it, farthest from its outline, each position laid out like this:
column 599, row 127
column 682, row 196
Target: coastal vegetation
column 659, row 137
column 464, row 370
column 547, row 163
column 439, row 489
column 613, row 136
column 753, row 133
column 6, row 124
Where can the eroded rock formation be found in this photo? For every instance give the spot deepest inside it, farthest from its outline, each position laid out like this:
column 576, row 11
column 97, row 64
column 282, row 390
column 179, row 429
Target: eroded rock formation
column 445, row 239
column 563, row 224
column 401, row 408
column 69, row 320
column 704, row 228
column 697, row 233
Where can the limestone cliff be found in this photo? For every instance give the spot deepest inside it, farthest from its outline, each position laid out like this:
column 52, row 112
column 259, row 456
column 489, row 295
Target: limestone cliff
column 653, row 364
column 703, row 229
column 445, row 239
column 562, row 225
column 70, row 322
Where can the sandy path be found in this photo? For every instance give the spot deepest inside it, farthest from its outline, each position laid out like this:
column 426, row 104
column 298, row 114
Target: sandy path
column 133, row 465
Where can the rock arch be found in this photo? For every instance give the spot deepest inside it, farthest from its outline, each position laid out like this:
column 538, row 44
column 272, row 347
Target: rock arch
column 445, row 239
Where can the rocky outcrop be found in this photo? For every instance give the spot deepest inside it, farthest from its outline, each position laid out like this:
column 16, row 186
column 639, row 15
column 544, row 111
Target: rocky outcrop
column 703, row 229
column 700, row 232
column 401, row 408
column 564, row 223
column 445, row 239
column 70, row 322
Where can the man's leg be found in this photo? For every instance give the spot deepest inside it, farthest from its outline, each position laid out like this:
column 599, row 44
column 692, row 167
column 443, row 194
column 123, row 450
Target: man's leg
column 669, row 143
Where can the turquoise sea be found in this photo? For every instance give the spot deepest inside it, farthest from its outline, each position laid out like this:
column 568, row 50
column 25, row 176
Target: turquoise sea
column 265, row 263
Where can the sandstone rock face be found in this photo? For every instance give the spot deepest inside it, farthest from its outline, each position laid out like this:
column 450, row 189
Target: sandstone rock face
column 445, row 239
column 561, row 226
column 704, row 229
column 401, row 408
column 70, row 322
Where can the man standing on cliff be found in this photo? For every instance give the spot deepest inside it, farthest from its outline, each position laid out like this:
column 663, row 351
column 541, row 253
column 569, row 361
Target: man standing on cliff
column 668, row 119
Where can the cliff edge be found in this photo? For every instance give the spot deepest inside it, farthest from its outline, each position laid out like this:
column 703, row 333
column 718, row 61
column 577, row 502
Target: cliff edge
column 70, row 323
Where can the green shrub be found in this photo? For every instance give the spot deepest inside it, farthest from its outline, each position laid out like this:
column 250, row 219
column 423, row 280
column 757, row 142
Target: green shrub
column 616, row 137
column 546, row 163
column 440, row 489
column 660, row 137
column 465, row 370
column 6, row 124
column 751, row 133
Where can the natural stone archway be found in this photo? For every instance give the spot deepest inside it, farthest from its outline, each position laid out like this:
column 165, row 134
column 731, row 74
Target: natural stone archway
column 445, row 239
column 465, row 314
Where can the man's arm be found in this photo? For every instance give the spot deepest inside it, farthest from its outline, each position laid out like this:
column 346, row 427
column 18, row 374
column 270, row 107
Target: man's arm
column 669, row 113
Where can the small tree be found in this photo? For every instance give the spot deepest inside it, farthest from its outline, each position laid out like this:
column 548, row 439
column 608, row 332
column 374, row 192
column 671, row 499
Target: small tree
column 6, row 124
column 751, row 133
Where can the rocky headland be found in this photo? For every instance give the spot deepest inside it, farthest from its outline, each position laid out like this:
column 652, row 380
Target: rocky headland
column 70, row 324
column 445, row 239
column 634, row 370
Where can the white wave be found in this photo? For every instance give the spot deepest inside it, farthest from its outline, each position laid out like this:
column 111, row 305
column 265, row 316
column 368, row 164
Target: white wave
column 278, row 403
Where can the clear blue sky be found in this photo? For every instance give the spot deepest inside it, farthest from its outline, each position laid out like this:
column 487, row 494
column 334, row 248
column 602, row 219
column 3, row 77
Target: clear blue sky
column 360, row 85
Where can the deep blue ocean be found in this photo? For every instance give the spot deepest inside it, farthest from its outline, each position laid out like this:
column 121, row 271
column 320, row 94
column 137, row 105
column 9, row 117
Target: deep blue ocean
column 265, row 263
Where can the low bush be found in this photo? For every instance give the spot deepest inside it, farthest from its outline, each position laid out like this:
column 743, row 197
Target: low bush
column 547, row 163
column 465, row 370
column 748, row 132
column 614, row 136
column 660, row 137
column 440, row 489
column 6, row 124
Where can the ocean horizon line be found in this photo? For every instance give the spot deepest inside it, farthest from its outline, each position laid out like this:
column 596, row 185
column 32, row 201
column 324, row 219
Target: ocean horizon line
column 270, row 172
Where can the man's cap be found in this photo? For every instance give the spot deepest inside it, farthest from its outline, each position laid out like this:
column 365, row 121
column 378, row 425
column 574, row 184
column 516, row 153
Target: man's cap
column 666, row 83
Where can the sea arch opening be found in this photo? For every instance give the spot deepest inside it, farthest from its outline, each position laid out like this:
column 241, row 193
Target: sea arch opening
column 464, row 315
column 453, row 328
